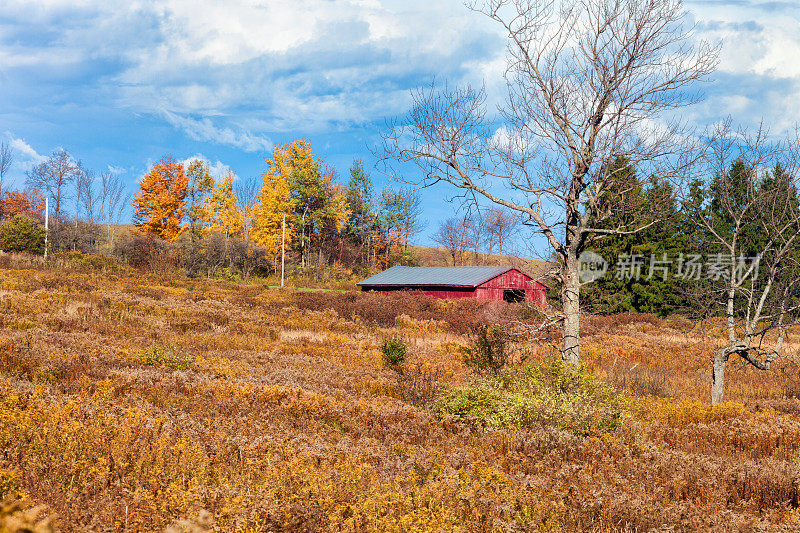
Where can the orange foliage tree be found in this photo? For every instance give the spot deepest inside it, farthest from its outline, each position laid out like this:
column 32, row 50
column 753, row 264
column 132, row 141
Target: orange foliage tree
column 160, row 204
column 29, row 202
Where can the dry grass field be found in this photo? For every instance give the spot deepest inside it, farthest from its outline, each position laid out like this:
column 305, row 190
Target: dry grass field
column 137, row 402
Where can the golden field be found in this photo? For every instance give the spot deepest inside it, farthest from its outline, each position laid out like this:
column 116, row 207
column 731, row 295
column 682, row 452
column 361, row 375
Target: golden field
column 131, row 401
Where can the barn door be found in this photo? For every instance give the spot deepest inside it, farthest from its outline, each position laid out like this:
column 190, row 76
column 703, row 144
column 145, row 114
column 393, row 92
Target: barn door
column 514, row 295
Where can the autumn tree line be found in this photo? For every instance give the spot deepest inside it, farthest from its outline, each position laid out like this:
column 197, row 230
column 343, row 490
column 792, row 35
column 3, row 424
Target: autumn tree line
column 186, row 217
column 97, row 204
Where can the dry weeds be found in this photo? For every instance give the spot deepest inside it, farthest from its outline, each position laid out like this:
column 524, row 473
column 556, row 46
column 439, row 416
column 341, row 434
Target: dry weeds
column 138, row 403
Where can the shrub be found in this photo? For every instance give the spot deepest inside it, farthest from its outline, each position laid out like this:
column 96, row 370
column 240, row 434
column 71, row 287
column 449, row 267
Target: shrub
column 393, row 353
column 22, row 234
column 552, row 394
column 142, row 250
column 418, row 386
column 383, row 309
column 15, row 517
column 93, row 262
column 155, row 356
column 487, row 353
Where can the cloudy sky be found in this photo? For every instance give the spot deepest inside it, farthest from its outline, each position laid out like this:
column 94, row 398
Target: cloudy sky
column 120, row 83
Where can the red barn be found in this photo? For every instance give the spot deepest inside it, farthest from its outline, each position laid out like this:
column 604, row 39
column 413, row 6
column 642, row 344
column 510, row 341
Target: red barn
column 491, row 283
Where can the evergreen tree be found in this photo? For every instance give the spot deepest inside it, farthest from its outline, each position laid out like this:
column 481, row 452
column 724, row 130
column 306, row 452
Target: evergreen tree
column 643, row 266
column 361, row 205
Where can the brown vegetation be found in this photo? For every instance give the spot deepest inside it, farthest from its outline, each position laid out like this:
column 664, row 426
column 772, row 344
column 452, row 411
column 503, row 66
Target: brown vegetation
column 135, row 402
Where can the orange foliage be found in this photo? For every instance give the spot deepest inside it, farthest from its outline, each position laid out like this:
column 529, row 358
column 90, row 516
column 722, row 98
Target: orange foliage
column 159, row 206
column 29, row 203
column 133, row 402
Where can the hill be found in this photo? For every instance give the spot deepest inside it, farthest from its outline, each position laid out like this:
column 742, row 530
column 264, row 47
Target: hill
column 130, row 402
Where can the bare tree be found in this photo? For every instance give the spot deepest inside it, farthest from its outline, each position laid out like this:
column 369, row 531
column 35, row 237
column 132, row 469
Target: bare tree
column 113, row 200
column 246, row 192
column 745, row 203
column 53, row 176
column 6, row 158
column 454, row 236
column 87, row 193
column 85, row 235
column 587, row 81
column 497, row 225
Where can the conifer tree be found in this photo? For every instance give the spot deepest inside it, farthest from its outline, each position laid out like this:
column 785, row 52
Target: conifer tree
column 361, row 205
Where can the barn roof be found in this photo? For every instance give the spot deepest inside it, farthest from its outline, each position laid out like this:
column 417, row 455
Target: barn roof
column 467, row 276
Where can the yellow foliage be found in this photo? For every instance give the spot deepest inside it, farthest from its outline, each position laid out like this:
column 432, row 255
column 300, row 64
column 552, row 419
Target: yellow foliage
column 275, row 204
column 222, row 213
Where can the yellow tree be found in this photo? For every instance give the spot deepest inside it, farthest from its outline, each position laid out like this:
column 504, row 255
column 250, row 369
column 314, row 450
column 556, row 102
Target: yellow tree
column 159, row 206
column 222, row 214
column 201, row 184
column 274, row 202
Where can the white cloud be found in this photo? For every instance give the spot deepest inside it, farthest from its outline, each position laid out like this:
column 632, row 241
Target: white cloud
column 116, row 169
column 24, row 155
column 282, row 64
column 217, row 169
column 204, row 130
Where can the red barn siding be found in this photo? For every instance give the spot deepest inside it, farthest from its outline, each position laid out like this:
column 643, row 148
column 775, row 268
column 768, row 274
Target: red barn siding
column 490, row 290
column 493, row 289
column 438, row 291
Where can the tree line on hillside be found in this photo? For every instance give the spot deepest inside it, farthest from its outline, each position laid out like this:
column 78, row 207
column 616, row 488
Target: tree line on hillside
column 98, row 204
column 479, row 236
column 208, row 224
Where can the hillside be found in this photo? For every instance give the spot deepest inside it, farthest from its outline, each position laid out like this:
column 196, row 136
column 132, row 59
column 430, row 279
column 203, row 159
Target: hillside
column 131, row 402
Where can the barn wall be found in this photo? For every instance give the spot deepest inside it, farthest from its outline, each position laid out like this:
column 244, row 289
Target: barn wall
column 451, row 294
column 536, row 295
column 493, row 289
column 438, row 292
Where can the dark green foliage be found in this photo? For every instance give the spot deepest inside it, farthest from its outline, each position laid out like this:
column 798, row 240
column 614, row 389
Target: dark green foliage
column 393, row 353
column 22, row 234
column 632, row 203
column 487, row 353
column 362, row 219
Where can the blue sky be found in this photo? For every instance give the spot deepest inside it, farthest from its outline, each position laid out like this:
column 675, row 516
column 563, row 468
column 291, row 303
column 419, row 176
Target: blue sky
column 119, row 84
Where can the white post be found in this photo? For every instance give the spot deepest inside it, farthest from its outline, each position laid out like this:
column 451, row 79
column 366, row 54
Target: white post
column 283, row 249
column 46, row 223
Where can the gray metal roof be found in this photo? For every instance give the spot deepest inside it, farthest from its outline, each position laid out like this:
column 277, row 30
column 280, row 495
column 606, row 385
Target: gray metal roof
column 468, row 276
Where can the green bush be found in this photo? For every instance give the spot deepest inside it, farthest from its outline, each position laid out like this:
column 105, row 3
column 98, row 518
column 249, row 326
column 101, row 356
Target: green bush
column 551, row 394
column 22, row 234
column 487, row 353
column 155, row 356
column 394, row 353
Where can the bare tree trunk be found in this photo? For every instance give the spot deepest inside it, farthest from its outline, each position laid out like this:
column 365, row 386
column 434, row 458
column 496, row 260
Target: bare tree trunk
column 721, row 356
column 570, row 295
column 718, row 375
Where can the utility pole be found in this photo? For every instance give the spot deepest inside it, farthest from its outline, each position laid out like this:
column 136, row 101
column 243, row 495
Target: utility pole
column 283, row 249
column 46, row 223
